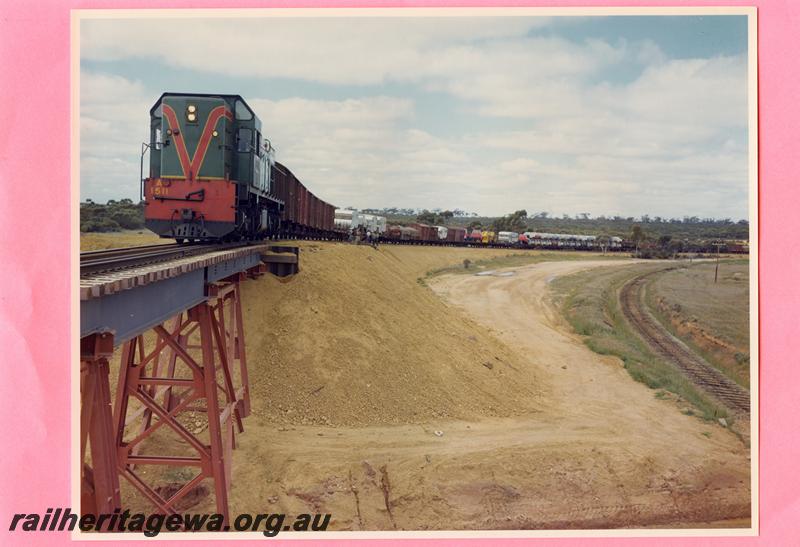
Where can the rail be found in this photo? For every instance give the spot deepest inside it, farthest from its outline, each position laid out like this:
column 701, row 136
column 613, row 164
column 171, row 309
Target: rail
column 127, row 257
column 695, row 368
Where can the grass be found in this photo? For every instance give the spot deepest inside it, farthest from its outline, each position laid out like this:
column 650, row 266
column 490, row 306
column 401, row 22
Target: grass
column 590, row 303
column 130, row 238
column 518, row 259
column 691, row 302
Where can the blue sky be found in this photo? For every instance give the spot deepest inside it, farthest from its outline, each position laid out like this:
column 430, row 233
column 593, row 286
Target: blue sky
column 607, row 115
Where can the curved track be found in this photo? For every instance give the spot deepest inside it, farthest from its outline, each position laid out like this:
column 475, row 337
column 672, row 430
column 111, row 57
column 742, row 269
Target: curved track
column 700, row 372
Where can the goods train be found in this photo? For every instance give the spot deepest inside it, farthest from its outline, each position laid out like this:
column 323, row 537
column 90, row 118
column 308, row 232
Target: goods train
column 429, row 235
column 213, row 176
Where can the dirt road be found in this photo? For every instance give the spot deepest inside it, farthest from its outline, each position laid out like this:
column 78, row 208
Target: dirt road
column 598, row 450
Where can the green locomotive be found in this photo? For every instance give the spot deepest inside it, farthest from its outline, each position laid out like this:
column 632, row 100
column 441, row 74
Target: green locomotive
column 211, row 170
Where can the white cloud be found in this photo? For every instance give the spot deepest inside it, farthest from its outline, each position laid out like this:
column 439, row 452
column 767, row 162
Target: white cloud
column 519, row 165
column 668, row 140
column 114, row 122
column 361, row 50
column 358, row 151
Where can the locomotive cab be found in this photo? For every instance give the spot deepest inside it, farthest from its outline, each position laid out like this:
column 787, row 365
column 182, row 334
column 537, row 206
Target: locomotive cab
column 210, row 170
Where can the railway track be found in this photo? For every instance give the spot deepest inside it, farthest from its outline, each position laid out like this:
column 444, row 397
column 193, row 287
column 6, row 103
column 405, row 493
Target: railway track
column 108, row 260
column 700, row 372
column 509, row 246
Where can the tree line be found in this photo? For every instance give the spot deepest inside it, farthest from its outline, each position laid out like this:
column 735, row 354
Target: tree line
column 124, row 214
column 646, row 228
column 112, row 216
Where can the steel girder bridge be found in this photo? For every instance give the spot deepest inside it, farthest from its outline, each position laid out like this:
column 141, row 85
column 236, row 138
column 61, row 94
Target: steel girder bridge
column 174, row 318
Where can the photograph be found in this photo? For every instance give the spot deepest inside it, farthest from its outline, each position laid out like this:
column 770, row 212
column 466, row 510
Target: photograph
column 419, row 272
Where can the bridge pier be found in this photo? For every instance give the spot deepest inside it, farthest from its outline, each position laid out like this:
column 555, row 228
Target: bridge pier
column 100, row 491
column 193, row 400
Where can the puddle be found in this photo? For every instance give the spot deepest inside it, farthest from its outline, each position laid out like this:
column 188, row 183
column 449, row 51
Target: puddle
column 494, row 273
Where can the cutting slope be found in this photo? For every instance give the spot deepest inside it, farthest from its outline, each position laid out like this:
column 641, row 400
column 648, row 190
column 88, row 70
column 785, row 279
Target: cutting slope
column 356, row 339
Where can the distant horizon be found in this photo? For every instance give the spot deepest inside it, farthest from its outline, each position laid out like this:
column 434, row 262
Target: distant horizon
column 531, row 214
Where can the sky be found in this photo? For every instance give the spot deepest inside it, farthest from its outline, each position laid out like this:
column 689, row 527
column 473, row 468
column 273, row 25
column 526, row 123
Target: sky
column 619, row 115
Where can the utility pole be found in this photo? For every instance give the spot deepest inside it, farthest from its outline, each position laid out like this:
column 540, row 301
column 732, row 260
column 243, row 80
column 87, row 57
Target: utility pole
column 716, row 269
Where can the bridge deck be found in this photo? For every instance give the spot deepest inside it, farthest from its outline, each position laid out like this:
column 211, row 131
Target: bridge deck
column 132, row 300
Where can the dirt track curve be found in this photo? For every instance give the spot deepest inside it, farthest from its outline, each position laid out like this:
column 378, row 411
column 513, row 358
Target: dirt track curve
column 701, row 373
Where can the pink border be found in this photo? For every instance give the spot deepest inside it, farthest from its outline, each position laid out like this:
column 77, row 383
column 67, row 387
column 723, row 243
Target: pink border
column 35, row 219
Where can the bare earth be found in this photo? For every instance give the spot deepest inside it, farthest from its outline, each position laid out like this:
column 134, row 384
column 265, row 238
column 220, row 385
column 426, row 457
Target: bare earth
column 470, row 406
column 590, row 448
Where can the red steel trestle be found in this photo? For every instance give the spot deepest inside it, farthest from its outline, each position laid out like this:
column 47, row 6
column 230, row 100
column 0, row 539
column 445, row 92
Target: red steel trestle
column 100, row 491
column 179, row 398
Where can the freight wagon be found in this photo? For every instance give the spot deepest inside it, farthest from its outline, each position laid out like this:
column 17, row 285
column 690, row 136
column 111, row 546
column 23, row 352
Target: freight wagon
column 456, row 235
column 304, row 214
column 427, row 233
column 508, row 238
column 346, row 219
column 401, row 233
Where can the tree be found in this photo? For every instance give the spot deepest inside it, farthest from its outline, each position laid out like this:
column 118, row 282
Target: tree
column 111, row 217
column 426, row 216
column 675, row 247
column 515, row 222
column 437, row 216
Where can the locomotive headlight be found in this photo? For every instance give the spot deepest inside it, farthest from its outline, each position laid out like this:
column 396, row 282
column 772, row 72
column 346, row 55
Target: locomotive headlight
column 191, row 116
column 215, row 133
column 192, row 108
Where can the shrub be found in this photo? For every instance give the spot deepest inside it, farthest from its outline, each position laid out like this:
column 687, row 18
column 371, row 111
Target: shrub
column 111, row 217
column 100, row 225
